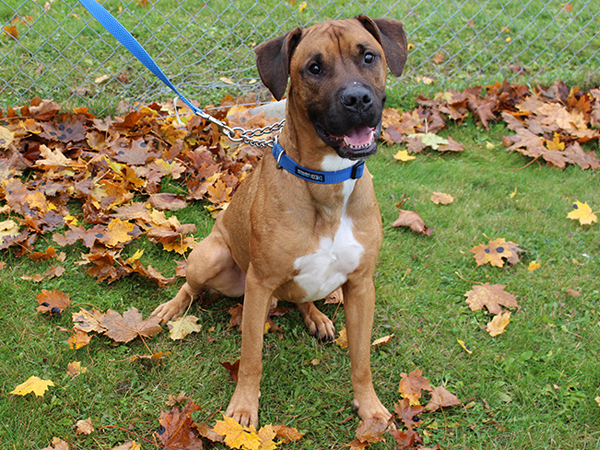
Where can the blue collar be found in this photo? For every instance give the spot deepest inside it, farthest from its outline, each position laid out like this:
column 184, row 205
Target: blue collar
column 315, row 176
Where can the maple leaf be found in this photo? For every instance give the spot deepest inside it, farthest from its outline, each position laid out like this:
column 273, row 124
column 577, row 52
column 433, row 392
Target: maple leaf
column 176, row 431
column 75, row 368
column 342, row 339
column 403, row 155
column 409, row 414
column 130, row 325
column 406, row 439
column 84, row 426
column 232, row 369
column 237, row 436
column 441, row 398
column 33, row 384
column 412, row 220
column 88, row 321
column 165, row 201
column 498, row 324
column 412, row 384
column 118, row 232
column 52, row 301
column 371, row 430
column 57, row 444
column 583, row 213
column 78, row 339
column 8, row 228
column 181, row 327
column 441, row 198
column 495, row 252
column 490, row 296
column 287, row 434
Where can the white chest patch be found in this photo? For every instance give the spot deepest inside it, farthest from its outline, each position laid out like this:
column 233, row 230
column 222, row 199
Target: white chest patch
column 325, row 270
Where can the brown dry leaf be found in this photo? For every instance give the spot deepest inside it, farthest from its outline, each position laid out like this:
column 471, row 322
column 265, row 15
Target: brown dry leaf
column 491, row 297
column 412, row 220
column 84, row 426
column 382, row 341
column 441, row 398
column 75, row 368
column 232, row 369
column 371, row 430
column 408, row 414
column 130, row 325
column 130, row 445
column 498, row 324
column 406, row 439
column 179, row 398
column 53, row 302
column 177, row 430
column 88, row 321
column 412, row 384
column 286, row 434
column 439, row 198
column 573, row 293
column 58, row 444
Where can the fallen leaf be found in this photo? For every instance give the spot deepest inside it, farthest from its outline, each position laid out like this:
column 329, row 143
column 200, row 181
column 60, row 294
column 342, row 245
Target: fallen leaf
column 84, row 426
column 130, row 325
column 498, row 324
column 403, row 155
column 583, row 213
column 75, row 368
column 286, row 434
column 58, row 444
column 342, row 339
column 53, row 302
column 237, row 436
column 412, row 384
column 78, row 339
column 464, row 346
column 183, row 326
column 412, row 220
column 533, row 265
column 176, row 428
column 382, row 341
column 408, row 414
column 441, row 398
column 573, row 293
column 232, row 369
column 495, row 252
column 33, row 384
column 491, row 297
column 441, row 198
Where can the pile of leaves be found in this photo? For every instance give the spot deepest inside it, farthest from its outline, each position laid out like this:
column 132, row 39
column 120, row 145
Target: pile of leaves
column 550, row 123
column 100, row 181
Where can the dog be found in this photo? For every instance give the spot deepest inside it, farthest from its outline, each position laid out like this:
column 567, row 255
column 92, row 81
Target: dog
column 306, row 221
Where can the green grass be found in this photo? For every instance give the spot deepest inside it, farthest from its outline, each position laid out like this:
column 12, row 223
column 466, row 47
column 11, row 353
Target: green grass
column 60, row 55
column 532, row 387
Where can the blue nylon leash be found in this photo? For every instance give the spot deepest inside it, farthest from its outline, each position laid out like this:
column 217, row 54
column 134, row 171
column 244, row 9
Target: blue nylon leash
column 114, row 27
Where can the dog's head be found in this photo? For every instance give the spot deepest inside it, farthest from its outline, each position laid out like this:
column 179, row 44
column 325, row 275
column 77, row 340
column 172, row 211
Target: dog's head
column 337, row 71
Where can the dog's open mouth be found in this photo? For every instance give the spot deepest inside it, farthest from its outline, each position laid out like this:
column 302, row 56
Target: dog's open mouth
column 357, row 143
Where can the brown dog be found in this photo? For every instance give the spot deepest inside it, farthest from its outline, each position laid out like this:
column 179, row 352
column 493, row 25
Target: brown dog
column 288, row 235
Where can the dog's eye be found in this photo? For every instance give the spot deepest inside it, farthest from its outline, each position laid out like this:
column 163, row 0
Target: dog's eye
column 314, row 68
column 369, row 58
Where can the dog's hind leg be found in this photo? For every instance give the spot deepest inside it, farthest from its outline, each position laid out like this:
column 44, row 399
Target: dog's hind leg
column 318, row 323
column 210, row 266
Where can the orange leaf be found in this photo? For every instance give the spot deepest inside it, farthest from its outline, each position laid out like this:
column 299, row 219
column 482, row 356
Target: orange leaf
column 412, row 384
column 490, row 296
column 441, row 398
column 52, row 301
column 129, row 326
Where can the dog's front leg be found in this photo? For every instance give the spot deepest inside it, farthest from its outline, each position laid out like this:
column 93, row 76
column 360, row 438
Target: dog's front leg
column 243, row 406
column 359, row 307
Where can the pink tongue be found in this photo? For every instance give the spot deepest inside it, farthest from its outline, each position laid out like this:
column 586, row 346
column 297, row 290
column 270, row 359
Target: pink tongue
column 359, row 135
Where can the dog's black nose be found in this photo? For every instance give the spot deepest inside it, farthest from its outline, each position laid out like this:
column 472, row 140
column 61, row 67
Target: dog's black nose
column 357, row 98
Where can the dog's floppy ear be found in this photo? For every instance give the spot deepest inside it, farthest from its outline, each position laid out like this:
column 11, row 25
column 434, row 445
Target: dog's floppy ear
column 273, row 61
column 390, row 34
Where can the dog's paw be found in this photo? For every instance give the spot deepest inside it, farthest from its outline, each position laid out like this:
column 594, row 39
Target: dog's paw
column 243, row 410
column 169, row 310
column 318, row 323
column 372, row 409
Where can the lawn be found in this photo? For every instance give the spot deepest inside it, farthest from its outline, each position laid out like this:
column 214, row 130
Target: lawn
column 534, row 386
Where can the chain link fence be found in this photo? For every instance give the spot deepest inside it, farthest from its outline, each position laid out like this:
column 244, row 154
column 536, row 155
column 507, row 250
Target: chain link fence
column 55, row 49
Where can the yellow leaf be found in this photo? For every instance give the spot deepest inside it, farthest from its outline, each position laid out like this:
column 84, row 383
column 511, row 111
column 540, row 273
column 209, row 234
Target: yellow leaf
column 118, row 232
column 6, row 137
column 498, row 324
column 342, row 340
column 75, row 368
column 237, row 436
column 583, row 213
column 464, row 346
column 534, row 265
column 513, row 194
column 137, row 255
column 302, row 7
column 489, row 145
column 33, row 384
column 403, row 155
column 441, row 198
column 8, row 228
column 180, row 328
